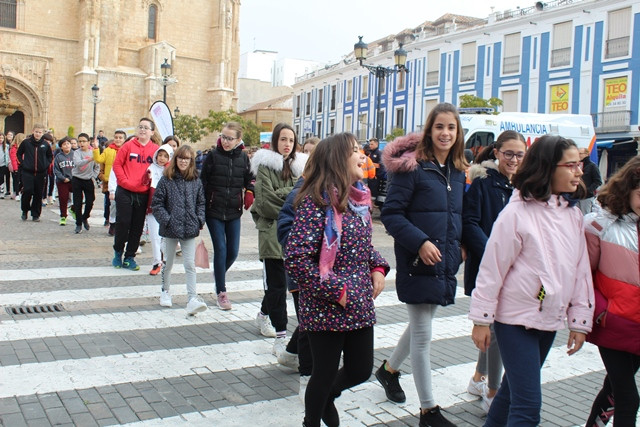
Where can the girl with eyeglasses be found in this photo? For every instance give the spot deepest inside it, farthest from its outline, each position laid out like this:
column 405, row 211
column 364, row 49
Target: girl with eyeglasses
column 534, row 276
column 178, row 206
column 488, row 194
column 612, row 240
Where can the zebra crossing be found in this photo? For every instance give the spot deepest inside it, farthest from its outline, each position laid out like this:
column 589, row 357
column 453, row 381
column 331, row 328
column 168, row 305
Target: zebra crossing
column 114, row 356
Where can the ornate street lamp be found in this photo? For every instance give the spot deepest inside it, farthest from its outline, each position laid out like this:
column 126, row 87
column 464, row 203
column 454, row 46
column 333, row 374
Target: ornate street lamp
column 176, row 112
column 360, row 51
column 165, row 70
column 94, row 99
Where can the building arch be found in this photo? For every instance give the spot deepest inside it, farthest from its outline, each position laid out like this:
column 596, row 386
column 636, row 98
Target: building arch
column 30, row 103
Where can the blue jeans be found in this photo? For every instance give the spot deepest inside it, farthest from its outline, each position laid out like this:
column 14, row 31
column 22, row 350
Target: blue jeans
column 519, row 398
column 225, row 236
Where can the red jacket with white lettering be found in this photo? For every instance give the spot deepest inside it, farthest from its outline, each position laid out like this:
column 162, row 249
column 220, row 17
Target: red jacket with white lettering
column 131, row 164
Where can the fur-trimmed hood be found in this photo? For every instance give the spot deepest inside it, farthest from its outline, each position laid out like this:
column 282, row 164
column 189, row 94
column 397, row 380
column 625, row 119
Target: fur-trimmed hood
column 272, row 160
column 480, row 170
column 399, row 155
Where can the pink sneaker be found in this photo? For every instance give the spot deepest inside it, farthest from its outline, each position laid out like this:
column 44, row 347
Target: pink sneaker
column 223, row 301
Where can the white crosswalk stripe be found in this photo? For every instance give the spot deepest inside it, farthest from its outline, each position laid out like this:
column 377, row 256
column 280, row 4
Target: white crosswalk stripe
column 363, row 405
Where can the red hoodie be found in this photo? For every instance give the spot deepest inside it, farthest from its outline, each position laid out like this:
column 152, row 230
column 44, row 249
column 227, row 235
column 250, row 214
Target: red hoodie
column 131, row 165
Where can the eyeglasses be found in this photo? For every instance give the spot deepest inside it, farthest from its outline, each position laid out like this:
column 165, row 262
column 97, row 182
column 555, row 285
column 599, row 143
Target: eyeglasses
column 227, row 138
column 186, row 159
column 144, row 127
column 510, row 154
column 573, row 166
column 83, row 140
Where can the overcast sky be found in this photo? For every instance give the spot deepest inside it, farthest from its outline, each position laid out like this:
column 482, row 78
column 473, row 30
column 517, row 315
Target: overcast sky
column 326, row 30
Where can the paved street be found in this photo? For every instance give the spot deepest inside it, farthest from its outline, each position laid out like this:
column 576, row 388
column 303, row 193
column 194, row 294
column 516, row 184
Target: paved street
column 112, row 355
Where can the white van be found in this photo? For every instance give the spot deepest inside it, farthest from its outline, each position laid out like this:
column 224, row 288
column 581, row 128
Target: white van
column 481, row 130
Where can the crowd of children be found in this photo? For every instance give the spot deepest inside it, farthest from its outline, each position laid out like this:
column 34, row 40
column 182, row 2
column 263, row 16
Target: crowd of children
column 532, row 259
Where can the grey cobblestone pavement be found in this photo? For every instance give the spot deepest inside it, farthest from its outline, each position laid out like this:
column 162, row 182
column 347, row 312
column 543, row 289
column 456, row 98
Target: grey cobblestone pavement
column 113, row 356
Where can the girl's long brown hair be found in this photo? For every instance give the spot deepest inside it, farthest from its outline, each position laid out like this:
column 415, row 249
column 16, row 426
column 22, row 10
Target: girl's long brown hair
column 275, row 136
column 614, row 196
column 172, row 170
column 328, row 169
column 424, row 149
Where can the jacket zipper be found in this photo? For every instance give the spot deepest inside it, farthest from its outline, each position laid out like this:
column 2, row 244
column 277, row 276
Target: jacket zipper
column 446, row 178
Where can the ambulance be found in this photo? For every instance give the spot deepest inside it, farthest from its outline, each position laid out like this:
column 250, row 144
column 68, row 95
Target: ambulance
column 481, row 130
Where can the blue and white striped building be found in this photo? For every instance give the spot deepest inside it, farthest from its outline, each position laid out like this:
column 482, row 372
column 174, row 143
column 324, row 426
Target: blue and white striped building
column 565, row 56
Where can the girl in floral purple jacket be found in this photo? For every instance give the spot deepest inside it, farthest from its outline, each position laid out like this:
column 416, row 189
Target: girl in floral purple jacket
column 330, row 255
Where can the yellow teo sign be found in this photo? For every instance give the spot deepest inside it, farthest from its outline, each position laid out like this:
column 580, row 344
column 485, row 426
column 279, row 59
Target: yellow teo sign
column 615, row 92
column 559, row 98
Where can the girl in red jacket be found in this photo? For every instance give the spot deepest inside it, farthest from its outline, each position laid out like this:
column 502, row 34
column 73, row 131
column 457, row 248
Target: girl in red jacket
column 612, row 241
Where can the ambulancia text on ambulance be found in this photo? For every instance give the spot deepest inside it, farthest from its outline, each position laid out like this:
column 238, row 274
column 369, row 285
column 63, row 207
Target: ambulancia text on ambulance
column 481, row 130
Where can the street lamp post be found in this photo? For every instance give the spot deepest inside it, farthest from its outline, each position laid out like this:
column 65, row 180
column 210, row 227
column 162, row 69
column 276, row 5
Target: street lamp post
column 165, row 69
column 400, row 56
column 94, row 99
column 176, row 112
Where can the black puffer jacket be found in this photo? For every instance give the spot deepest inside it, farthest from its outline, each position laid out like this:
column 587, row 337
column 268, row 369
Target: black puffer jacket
column 225, row 175
column 178, row 206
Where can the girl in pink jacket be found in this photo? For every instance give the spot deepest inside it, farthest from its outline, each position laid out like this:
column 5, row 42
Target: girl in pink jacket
column 534, row 276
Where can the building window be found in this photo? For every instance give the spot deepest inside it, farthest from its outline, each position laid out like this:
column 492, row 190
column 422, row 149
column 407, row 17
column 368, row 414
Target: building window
column 347, row 124
column 319, row 128
column 298, row 106
column 320, row 97
column 561, row 51
column 153, row 22
column 399, row 118
column 400, row 80
column 8, row 13
column 468, row 68
column 349, row 90
column 618, row 33
column 433, row 67
column 429, row 105
column 332, row 126
column 332, row 101
column 364, row 93
column 363, row 124
column 511, row 55
column 510, row 101
column 308, row 104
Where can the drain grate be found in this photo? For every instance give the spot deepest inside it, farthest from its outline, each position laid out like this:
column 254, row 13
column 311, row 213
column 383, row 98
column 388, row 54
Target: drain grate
column 33, row 309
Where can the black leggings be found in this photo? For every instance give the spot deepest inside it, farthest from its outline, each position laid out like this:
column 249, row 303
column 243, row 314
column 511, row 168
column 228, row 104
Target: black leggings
column 327, row 382
column 619, row 390
column 82, row 187
column 274, row 302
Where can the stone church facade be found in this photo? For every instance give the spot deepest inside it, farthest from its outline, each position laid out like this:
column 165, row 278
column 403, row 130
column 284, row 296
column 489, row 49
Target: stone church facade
column 54, row 51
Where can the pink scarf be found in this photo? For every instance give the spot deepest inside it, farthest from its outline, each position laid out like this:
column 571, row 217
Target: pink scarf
column 360, row 203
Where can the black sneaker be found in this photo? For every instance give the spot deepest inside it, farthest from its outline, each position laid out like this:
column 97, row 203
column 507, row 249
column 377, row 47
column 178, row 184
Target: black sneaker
column 391, row 384
column 24, row 216
column 36, row 219
column 78, row 229
column 86, row 224
column 434, row 418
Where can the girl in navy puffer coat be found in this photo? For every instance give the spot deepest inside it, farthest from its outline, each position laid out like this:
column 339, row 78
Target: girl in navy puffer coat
column 423, row 213
column 178, row 206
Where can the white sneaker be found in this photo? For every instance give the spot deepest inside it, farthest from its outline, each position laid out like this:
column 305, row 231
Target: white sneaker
column 287, row 359
column 486, row 403
column 264, row 324
column 195, row 305
column 18, row 198
column 139, row 250
column 304, row 382
column 279, row 346
column 477, row 388
column 165, row 299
